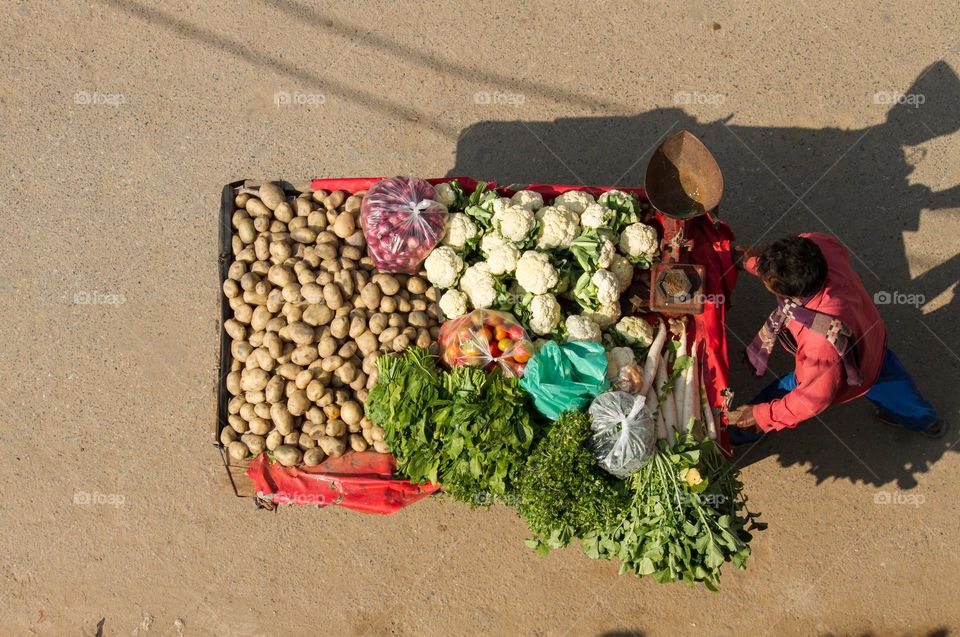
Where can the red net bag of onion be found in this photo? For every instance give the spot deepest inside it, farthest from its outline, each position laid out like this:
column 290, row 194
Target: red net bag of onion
column 401, row 222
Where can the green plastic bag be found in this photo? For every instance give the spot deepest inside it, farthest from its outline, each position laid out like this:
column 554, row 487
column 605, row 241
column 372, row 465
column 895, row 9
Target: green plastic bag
column 564, row 377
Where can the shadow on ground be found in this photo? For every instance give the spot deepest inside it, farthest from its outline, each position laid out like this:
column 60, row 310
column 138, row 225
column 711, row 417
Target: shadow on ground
column 854, row 184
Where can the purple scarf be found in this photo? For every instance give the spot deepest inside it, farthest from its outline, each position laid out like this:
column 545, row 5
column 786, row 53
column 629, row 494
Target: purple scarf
column 832, row 329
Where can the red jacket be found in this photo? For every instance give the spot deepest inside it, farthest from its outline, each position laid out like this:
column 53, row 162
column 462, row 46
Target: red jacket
column 821, row 380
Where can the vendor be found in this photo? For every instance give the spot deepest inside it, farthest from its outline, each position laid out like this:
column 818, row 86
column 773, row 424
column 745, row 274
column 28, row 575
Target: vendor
column 827, row 319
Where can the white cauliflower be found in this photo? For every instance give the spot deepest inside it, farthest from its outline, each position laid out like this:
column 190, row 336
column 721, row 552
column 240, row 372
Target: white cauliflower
column 607, row 252
column 453, row 304
column 596, row 216
column 528, row 199
column 535, row 273
column 614, row 194
column 501, row 255
column 500, row 204
column 605, row 315
column 618, row 358
column 478, row 284
column 635, row 330
column 639, row 242
column 623, row 270
column 444, row 194
column 544, row 313
column 514, row 223
column 443, row 267
column 574, row 200
column 581, row 328
column 460, row 230
column 608, row 290
column 558, row 227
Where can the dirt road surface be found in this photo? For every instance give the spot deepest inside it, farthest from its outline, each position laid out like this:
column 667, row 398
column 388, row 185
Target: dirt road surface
column 122, row 119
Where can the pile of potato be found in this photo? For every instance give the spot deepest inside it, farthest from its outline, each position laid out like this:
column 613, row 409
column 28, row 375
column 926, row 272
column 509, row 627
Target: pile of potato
column 311, row 315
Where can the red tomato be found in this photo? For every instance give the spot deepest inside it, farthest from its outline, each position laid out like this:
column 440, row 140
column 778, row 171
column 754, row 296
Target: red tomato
column 452, row 352
column 504, row 344
column 521, row 355
column 495, row 351
column 484, row 333
column 500, row 333
column 516, row 332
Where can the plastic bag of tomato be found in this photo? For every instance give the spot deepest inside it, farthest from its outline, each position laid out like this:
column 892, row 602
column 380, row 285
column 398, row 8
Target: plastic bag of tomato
column 486, row 339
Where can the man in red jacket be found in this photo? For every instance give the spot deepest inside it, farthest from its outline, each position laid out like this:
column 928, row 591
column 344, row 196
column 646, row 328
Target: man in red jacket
column 827, row 319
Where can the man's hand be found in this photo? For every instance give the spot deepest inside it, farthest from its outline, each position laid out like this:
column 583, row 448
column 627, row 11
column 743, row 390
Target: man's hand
column 740, row 254
column 742, row 417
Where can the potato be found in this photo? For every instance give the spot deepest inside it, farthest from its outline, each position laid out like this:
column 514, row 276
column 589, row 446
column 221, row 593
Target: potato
column 264, row 360
column 332, row 446
column 351, row 412
column 238, row 450
column 235, row 404
column 340, row 327
column 377, row 323
column 303, row 235
column 346, row 373
column 292, row 438
column 235, row 329
column 298, row 403
column 306, row 442
column 316, row 416
column 317, row 315
column 303, row 205
column 273, row 440
column 387, row 335
column 388, row 283
column 298, row 332
column 260, row 426
column 313, row 457
column 381, row 446
column 345, row 225
column 261, row 410
column 291, row 292
column 336, row 428
column 359, row 241
column 334, row 199
column 366, row 436
column 236, row 271
column 326, row 399
column 347, row 350
column 280, row 275
column 377, row 433
column 246, row 231
column 319, row 195
column 416, row 285
column 304, row 355
column 352, row 204
column 230, row 288
column 403, row 305
column 315, row 390
column 388, row 305
column 256, row 444
column 240, row 350
column 332, row 296
column 287, row 455
column 227, row 435
column 283, row 212
column 367, row 342
column 326, row 347
column 312, row 293
column 282, row 418
column 418, row 319
column 253, row 379
column 274, row 389
column 400, row 343
column 397, row 320
column 280, row 250
column 254, row 397
column 303, row 379
column 331, row 363
column 357, row 443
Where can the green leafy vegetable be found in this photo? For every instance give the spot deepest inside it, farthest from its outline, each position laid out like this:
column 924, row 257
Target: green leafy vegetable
column 562, row 493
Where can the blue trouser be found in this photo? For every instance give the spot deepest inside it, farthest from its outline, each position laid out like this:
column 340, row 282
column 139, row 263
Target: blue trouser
column 894, row 394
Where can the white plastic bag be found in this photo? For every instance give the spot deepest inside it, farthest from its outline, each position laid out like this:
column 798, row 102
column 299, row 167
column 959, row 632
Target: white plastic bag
column 623, row 432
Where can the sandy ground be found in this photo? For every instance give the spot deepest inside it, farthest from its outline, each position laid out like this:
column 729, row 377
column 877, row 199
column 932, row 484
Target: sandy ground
column 120, row 122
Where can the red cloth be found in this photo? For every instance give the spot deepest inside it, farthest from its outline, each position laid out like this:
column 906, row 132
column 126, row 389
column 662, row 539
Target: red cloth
column 821, row 380
column 362, row 481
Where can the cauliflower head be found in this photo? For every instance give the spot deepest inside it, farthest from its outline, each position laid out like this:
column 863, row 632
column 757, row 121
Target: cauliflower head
column 608, row 290
column 623, row 270
column 460, row 230
column 514, row 223
column 478, row 284
column 500, row 204
column 605, row 315
column 528, row 199
column 453, row 304
column 444, row 194
column 596, row 216
column 607, row 252
column 574, row 200
column 443, row 267
column 558, row 227
column 501, row 255
column 639, row 242
column 581, row 328
column 635, row 330
column 544, row 314
column 535, row 273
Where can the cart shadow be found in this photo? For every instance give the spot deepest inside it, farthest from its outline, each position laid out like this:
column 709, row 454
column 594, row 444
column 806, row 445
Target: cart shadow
column 855, row 184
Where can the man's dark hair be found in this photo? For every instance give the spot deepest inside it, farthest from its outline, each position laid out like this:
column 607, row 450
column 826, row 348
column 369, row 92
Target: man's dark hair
column 794, row 266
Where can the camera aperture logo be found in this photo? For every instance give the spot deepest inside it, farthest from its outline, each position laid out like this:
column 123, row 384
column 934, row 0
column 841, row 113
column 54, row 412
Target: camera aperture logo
column 898, row 497
column 889, row 98
column 895, row 297
column 485, row 98
column 98, row 298
column 286, row 98
column 96, row 98
column 86, row 498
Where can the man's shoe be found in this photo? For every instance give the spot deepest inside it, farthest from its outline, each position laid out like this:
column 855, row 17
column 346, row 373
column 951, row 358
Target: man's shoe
column 740, row 436
column 936, row 430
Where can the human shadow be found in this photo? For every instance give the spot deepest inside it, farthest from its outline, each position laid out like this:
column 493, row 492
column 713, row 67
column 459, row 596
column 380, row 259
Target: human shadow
column 852, row 183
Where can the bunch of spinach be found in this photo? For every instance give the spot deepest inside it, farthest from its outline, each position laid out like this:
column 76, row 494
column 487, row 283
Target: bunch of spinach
column 465, row 429
column 687, row 517
column 562, row 493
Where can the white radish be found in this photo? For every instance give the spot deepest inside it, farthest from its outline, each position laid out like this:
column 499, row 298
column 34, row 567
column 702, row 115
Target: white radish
column 693, row 385
column 679, row 327
column 669, row 407
column 653, row 358
column 709, row 421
